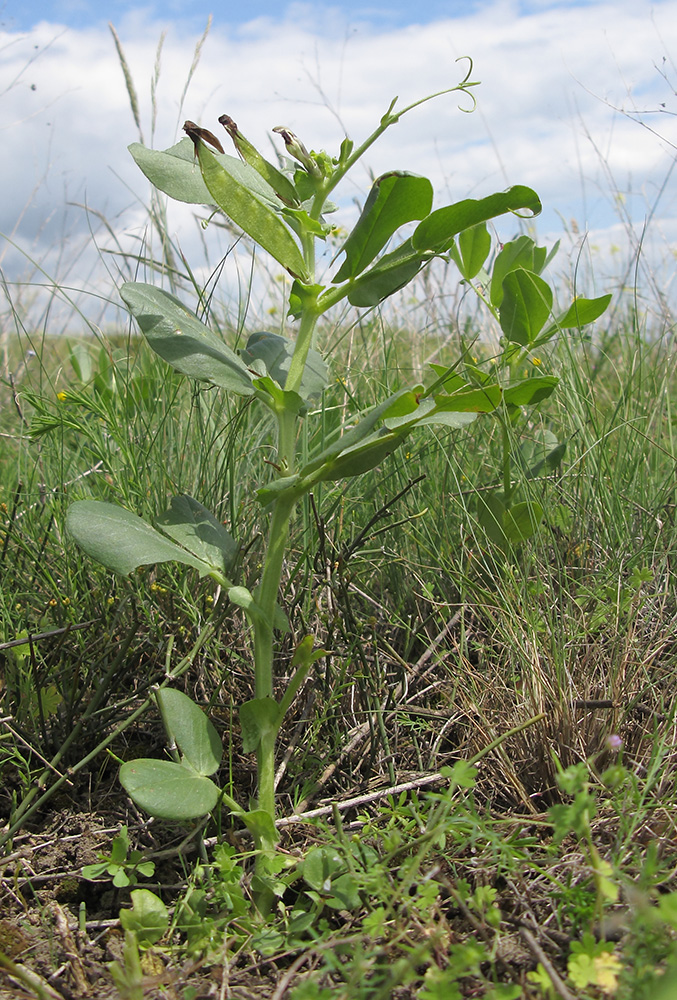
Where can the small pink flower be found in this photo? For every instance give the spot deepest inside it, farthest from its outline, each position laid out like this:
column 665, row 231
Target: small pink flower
column 614, row 742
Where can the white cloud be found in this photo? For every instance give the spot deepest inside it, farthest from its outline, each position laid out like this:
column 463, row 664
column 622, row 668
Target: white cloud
column 548, row 78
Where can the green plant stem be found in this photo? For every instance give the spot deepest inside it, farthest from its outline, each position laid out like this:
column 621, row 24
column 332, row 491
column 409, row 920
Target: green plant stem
column 269, row 585
column 309, row 318
column 173, row 750
column 265, row 759
column 266, row 600
column 485, row 300
column 304, row 340
column 286, row 442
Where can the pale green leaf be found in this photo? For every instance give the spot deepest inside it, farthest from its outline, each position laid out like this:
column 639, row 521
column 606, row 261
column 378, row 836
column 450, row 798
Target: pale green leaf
column 179, row 338
column 259, row 719
column 167, row 790
column 196, row 529
column 242, row 203
column 194, row 734
column 121, row 540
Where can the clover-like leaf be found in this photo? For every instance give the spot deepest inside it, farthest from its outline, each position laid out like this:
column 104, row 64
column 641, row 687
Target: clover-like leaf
column 148, row 917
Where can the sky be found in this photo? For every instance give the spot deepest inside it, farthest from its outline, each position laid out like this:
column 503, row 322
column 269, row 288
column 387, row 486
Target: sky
column 577, row 100
column 22, row 15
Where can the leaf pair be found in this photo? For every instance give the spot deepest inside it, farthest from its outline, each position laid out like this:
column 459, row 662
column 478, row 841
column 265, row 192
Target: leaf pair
column 398, row 198
column 179, row 338
column 365, row 445
column 237, row 188
column 178, row 791
column 122, row 541
column 508, row 525
column 526, row 306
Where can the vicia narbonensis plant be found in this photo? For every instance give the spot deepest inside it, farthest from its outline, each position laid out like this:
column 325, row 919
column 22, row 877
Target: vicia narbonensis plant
column 283, row 211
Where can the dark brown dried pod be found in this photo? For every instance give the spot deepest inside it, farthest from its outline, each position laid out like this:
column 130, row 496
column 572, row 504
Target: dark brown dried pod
column 196, row 133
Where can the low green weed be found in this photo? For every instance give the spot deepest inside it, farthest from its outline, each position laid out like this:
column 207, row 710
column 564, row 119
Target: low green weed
column 123, row 865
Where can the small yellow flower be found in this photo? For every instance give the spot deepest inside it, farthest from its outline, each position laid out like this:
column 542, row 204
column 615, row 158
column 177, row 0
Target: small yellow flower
column 62, row 396
column 536, row 361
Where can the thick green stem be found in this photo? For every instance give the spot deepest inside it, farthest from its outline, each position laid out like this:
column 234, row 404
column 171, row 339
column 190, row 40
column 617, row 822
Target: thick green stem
column 304, row 340
column 266, row 600
column 286, row 442
column 265, row 761
column 266, row 594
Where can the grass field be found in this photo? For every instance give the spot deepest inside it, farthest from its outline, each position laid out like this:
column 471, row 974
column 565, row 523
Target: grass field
column 476, row 785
